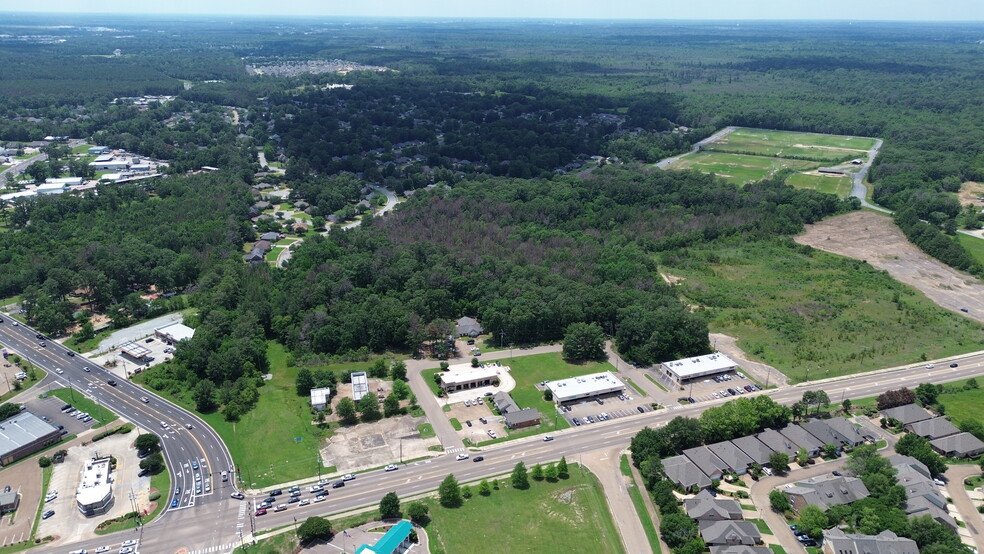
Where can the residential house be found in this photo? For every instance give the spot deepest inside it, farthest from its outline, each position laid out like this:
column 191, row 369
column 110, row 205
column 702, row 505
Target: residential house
column 504, row 403
column 961, row 445
column 523, row 418
column 709, row 464
column 736, row 460
column 684, row 473
column 741, row 549
column 837, row 431
column 778, row 443
column 836, row 541
column 705, row 507
column 906, row 414
column 469, row 327
column 825, row 491
column 802, row 439
column 849, row 433
column 271, row 236
column 933, row 429
column 255, row 256
column 899, row 460
column 754, row 449
column 262, row 246
column 730, row 532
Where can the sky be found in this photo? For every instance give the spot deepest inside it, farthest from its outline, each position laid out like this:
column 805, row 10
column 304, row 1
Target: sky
column 852, row 10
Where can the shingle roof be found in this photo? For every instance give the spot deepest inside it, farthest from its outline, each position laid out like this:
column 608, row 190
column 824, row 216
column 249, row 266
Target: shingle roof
column 777, row 442
column 711, row 465
column 848, row 431
column 934, row 428
column 703, row 506
column 740, row 549
column 731, row 455
column 504, row 403
column 828, row 490
column 802, row 438
column 468, row 326
column 906, row 414
column 754, row 449
column 885, row 542
column 961, row 444
column 522, row 416
column 684, row 473
column 729, row 532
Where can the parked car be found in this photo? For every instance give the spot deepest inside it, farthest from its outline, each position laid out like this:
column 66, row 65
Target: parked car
column 174, row 503
column 468, row 422
column 641, row 409
column 47, row 514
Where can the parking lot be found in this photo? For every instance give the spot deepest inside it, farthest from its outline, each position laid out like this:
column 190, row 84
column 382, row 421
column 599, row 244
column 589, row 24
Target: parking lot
column 611, row 406
column 717, row 387
column 49, row 409
column 474, row 413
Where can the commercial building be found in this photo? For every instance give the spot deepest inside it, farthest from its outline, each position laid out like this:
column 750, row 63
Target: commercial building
column 136, row 351
column 320, row 397
column 464, row 377
column 51, row 188
column 95, row 493
column 395, row 541
column 9, row 501
column 698, row 367
column 174, row 332
column 523, row 418
column 68, row 181
column 97, row 150
column 584, row 387
column 360, row 385
column 24, row 434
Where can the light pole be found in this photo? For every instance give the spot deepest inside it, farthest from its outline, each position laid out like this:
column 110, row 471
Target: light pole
column 767, row 377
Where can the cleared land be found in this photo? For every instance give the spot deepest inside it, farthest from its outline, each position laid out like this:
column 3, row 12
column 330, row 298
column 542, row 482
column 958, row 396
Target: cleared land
column 570, row 515
column 808, row 311
column 747, row 155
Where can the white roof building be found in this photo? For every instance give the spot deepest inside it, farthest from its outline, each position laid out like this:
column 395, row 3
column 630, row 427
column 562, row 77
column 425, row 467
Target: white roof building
column 463, row 376
column 360, row 385
column 95, row 493
column 175, row 332
column 319, row 398
column 70, row 181
column 585, row 386
column 698, row 366
column 51, row 188
column 18, row 195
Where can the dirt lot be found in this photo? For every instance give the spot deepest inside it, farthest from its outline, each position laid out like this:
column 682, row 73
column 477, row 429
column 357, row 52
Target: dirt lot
column 875, row 239
column 24, row 477
column 371, row 445
column 970, row 193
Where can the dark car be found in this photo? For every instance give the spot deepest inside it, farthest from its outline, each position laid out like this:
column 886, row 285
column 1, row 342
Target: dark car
column 111, row 382
column 468, row 422
column 66, row 407
column 143, row 472
column 47, row 514
column 70, row 354
column 641, row 409
column 294, row 499
column 836, row 473
column 478, row 458
column 276, row 492
column 338, row 484
column 954, row 365
column 964, row 310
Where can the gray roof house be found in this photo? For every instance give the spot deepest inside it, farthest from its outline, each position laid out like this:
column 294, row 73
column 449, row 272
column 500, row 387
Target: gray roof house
column 271, row 236
column 932, row 429
column 504, row 403
column 837, row 431
column 705, row 507
column 898, row 461
column 709, row 464
column 731, row 455
column 885, row 542
column 778, row 443
column 909, row 413
column 684, row 473
column 741, row 549
column 730, row 532
column 754, row 449
column 254, row 256
column 961, row 445
column 522, row 418
column 849, row 432
column 803, row 439
column 467, row 326
column 825, row 491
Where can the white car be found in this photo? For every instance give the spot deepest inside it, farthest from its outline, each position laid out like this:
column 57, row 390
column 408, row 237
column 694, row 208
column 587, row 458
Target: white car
column 348, row 477
column 59, row 371
column 460, row 457
column 322, row 482
column 391, row 467
column 101, row 549
column 547, row 438
column 304, row 502
column 316, row 488
column 131, row 542
column 320, row 498
column 126, row 550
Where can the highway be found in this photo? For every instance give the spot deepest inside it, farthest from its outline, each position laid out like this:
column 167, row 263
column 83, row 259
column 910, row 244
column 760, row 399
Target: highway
column 217, row 523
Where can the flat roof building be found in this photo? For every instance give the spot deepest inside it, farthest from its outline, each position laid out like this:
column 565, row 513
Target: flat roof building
column 319, row 398
column 395, row 541
column 136, row 351
column 698, row 367
column 175, row 332
column 360, row 385
column 585, row 386
column 9, row 501
column 464, row 377
column 24, row 434
column 95, row 493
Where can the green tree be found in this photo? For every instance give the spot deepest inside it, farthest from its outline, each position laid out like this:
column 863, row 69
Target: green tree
column 830, row 451
column 304, row 382
column 401, row 389
column 537, row 473
column 677, row 529
column 389, row 506
column 846, row 405
column 391, row 406
column 584, row 341
column 779, row 501
column 779, row 461
column 398, row 372
column 520, row 478
column 204, row 396
column 562, row 470
column 147, row 442
column 417, row 512
column 551, row 472
column 816, row 398
column 153, row 463
column 86, row 332
column 9, row 410
column 813, row 521
column 449, row 493
column 346, row 411
column 314, row 528
column 369, row 408
column 45, row 461
column 38, row 171
column 802, row 457
column 484, row 488
column 927, row 393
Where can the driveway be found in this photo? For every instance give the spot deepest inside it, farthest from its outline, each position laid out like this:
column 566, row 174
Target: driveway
column 961, row 501
column 858, row 190
column 605, row 465
column 137, row 332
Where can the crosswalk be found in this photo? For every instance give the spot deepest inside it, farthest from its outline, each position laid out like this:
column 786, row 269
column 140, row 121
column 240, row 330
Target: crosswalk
column 455, row 449
column 228, row 547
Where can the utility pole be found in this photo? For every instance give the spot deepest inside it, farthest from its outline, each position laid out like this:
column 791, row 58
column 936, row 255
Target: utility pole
column 502, row 336
column 767, row 377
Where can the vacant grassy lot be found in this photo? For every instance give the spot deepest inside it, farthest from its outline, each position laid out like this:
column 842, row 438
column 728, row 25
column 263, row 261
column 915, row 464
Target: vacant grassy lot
column 739, row 168
column 973, row 245
column 569, row 515
column 786, row 144
column 83, row 404
column 963, row 405
column 831, row 184
column 803, row 310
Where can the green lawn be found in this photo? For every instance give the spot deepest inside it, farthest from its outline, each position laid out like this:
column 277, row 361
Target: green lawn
column 837, row 185
column 739, row 168
column 963, row 405
column 636, row 492
column 455, row 424
column 426, row 430
column 275, row 442
column 974, row 246
column 83, row 404
column 428, row 375
column 763, row 527
column 777, row 549
column 814, row 146
column 806, row 310
column 569, row 515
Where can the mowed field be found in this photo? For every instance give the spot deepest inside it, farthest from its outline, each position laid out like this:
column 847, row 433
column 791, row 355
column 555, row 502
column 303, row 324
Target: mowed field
column 748, row 155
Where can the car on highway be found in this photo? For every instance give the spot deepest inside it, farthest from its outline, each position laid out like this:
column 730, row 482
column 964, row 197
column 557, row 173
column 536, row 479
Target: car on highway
column 126, row 550
column 478, row 458
column 238, row 495
column 111, row 382
column 280, row 508
column 194, row 465
column 43, row 345
column 276, row 492
column 260, row 512
column 72, row 355
column 188, row 426
column 47, row 514
column 129, row 542
column 294, row 494
column 304, row 502
column 101, row 549
column 348, row 477
column 294, row 499
column 460, row 457
column 163, row 425
column 547, row 438
column 390, row 467
column 316, row 488
column 964, row 310
column 86, row 369
column 338, row 484
column 321, row 497
column 954, row 365
column 59, row 370
column 174, row 503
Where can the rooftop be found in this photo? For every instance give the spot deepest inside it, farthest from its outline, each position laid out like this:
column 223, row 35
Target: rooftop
column 700, row 365
column 22, row 429
column 320, row 396
column 594, row 383
column 176, row 331
column 95, row 485
column 468, row 374
column 360, row 385
column 906, row 414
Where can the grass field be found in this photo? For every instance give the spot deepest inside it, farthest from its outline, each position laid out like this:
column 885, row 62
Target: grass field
column 570, row 515
column 739, row 168
column 812, row 146
column 809, row 311
column 974, row 246
column 963, row 405
column 84, row 404
column 839, row 186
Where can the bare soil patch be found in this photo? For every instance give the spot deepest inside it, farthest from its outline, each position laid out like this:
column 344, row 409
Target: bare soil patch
column 970, row 193
column 875, row 239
